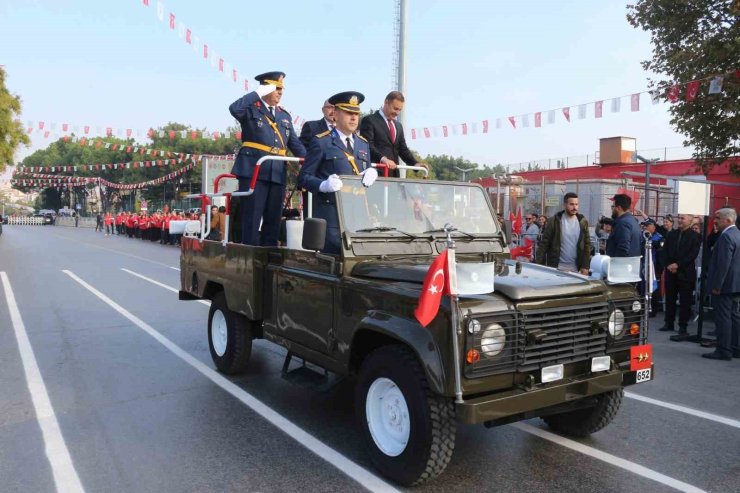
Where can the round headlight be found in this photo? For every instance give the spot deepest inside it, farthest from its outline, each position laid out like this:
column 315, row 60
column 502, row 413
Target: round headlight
column 473, row 326
column 636, row 306
column 616, row 323
column 493, row 340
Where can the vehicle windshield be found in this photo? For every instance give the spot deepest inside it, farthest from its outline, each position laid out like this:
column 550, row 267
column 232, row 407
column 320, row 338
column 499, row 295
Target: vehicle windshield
column 415, row 207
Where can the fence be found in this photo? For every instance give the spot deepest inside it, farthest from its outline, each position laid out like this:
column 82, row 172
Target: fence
column 25, row 220
column 85, row 222
column 593, row 159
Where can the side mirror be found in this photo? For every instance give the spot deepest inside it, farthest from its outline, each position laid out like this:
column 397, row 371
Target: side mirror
column 314, row 234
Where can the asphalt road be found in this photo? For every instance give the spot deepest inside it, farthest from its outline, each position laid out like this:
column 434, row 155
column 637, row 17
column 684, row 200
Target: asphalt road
column 106, row 384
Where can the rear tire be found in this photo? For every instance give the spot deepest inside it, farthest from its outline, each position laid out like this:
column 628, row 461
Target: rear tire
column 408, row 430
column 584, row 422
column 229, row 337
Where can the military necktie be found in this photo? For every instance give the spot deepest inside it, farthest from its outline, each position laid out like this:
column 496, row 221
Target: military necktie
column 349, row 146
column 272, row 111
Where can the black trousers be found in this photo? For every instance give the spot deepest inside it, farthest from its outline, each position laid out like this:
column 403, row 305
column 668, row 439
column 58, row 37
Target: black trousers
column 727, row 323
column 682, row 291
column 266, row 205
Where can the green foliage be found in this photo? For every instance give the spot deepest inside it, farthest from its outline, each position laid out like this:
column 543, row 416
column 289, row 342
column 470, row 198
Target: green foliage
column 695, row 39
column 444, row 167
column 12, row 133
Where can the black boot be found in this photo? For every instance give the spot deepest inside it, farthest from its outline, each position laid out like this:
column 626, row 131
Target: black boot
column 666, row 328
column 682, row 335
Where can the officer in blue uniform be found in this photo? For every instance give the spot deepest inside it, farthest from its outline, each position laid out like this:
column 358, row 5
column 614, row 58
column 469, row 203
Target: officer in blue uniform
column 340, row 151
column 267, row 129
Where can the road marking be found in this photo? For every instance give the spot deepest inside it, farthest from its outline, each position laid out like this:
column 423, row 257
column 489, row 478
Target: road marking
column 169, row 288
column 65, row 475
column 175, row 268
column 683, row 409
column 675, row 407
column 115, row 251
column 345, row 465
column 608, row 458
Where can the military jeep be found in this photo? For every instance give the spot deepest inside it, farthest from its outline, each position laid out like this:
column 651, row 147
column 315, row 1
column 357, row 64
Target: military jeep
column 519, row 341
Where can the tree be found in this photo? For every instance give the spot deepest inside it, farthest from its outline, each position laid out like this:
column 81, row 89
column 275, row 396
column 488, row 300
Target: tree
column 692, row 40
column 445, row 168
column 12, row 133
column 167, row 138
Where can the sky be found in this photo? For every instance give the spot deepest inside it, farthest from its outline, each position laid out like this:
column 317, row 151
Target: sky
column 115, row 64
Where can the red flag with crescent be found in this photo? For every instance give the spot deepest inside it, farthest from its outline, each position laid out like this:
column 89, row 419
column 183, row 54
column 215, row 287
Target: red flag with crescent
column 435, row 286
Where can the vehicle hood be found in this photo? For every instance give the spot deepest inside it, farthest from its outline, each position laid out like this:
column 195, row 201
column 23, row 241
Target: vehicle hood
column 529, row 282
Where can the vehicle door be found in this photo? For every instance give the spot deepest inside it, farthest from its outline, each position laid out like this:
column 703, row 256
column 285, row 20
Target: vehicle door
column 305, row 289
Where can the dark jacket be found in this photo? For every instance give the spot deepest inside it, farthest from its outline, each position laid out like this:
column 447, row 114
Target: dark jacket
column 312, row 129
column 624, row 240
column 548, row 250
column 724, row 266
column 374, row 128
column 257, row 127
column 682, row 247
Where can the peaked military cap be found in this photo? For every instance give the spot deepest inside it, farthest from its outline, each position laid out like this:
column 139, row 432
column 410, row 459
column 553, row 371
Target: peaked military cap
column 274, row 78
column 348, row 101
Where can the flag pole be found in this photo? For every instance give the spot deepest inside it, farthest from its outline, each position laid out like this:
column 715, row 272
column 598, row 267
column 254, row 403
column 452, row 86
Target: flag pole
column 648, row 277
column 454, row 319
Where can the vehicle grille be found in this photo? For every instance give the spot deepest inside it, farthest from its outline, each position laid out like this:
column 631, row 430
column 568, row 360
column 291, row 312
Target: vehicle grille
column 571, row 334
column 565, row 335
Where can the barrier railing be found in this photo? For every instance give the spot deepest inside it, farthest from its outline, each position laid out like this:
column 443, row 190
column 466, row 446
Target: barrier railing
column 25, row 221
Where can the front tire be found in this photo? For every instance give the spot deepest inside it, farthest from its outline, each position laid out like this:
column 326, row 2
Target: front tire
column 408, row 430
column 584, row 422
column 229, row 337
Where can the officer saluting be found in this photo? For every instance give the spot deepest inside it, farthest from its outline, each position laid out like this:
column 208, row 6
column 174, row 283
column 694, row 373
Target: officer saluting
column 266, row 129
column 333, row 153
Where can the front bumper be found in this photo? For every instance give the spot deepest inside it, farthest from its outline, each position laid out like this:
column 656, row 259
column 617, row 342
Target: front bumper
column 521, row 401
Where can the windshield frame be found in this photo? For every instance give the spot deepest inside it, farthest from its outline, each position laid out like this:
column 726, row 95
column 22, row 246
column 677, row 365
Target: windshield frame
column 401, row 235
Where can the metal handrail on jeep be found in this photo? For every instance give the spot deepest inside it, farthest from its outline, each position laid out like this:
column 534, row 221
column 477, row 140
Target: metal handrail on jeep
column 206, row 225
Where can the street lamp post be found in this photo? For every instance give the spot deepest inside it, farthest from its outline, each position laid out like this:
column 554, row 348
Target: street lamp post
column 464, row 170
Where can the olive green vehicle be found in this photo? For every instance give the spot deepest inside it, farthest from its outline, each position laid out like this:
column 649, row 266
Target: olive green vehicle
column 522, row 341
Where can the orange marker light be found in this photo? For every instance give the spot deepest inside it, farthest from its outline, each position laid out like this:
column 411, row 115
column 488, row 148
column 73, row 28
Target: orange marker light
column 634, row 329
column 473, row 356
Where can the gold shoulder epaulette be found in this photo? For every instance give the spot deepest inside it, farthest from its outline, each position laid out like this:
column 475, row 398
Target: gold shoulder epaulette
column 323, row 134
column 362, row 138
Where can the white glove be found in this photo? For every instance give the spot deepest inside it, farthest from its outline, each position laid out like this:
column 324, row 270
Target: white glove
column 369, row 176
column 264, row 90
column 331, row 184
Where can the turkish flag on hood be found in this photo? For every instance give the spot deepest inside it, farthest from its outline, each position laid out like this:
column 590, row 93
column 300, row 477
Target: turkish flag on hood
column 436, row 284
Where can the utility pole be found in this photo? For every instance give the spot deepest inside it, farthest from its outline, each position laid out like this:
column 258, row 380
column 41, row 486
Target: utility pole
column 401, row 67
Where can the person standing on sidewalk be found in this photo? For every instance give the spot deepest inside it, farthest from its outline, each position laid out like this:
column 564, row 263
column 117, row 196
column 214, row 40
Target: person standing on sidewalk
column 723, row 282
column 680, row 250
column 565, row 243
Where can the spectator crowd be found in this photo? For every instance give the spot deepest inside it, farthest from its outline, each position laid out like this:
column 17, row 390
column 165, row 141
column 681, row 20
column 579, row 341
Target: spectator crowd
column 565, row 242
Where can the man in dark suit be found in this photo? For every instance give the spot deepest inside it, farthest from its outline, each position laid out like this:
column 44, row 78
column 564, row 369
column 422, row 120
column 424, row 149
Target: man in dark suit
column 680, row 251
column 385, row 134
column 337, row 152
column 267, row 129
column 724, row 282
column 315, row 127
